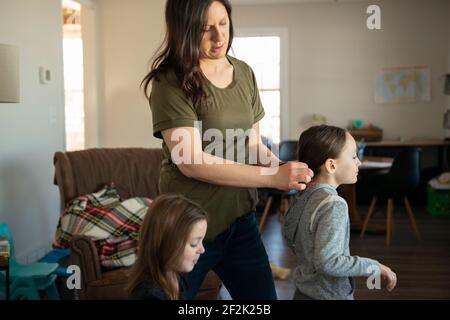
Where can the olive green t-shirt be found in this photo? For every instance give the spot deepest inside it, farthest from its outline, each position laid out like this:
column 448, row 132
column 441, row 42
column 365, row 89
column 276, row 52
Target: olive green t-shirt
column 237, row 106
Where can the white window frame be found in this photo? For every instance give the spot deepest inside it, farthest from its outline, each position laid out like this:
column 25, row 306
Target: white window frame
column 284, row 63
column 92, row 77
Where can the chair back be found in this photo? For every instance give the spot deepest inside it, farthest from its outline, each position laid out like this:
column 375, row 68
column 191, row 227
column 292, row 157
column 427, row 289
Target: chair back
column 134, row 171
column 267, row 142
column 288, row 150
column 404, row 175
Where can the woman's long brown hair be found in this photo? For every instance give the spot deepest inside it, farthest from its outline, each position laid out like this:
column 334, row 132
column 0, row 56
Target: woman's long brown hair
column 180, row 51
column 162, row 239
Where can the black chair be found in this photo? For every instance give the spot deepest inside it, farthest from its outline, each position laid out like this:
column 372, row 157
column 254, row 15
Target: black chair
column 287, row 152
column 267, row 142
column 402, row 179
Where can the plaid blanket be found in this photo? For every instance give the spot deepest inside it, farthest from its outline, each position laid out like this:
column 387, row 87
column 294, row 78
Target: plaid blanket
column 112, row 224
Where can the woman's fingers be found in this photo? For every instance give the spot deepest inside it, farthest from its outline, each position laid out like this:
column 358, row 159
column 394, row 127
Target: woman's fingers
column 303, row 178
column 302, row 168
column 296, row 175
column 295, row 185
column 303, row 175
column 300, row 172
column 296, row 165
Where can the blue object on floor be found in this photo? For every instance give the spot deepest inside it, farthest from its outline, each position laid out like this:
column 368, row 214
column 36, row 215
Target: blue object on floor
column 28, row 279
column 55, row 256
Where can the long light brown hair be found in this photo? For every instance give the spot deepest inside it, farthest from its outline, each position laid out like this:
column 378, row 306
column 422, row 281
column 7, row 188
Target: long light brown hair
column 162, row 239
column 180, row 51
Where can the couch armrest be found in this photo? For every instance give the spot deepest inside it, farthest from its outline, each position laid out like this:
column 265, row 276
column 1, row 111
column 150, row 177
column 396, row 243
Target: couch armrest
column 84, row 254
column 64, row 178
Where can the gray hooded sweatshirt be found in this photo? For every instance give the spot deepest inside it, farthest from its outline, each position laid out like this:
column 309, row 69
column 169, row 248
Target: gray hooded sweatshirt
column 317, row 229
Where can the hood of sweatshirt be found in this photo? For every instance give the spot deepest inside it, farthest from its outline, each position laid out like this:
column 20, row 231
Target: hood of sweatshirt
column 313, row 194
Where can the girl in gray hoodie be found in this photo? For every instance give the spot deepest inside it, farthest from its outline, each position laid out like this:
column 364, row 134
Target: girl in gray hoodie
column 317, row 225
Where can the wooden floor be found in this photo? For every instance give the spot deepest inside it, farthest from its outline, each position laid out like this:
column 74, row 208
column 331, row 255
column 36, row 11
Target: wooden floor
column 423, row 268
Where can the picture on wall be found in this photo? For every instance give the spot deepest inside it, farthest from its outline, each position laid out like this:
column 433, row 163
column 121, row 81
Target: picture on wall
column 403, row 85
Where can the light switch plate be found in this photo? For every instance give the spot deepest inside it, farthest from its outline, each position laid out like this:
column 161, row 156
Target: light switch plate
column 45, row 75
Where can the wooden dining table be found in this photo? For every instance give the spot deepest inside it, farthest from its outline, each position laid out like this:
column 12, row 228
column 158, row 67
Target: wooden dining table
column 370, row 165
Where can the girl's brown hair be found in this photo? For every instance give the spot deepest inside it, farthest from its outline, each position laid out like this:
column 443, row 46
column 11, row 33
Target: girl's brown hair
column 319, row 143
column 162, row 239
column 180, row 51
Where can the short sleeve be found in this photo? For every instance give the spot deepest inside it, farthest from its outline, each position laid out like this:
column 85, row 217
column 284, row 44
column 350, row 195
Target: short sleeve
column 170, row 106
column 258, row 110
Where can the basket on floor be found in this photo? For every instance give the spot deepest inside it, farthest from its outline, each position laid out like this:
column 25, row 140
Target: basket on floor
column 438, row 202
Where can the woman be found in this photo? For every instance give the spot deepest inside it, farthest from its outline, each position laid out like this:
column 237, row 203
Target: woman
column 162, row 257
column 197, row 90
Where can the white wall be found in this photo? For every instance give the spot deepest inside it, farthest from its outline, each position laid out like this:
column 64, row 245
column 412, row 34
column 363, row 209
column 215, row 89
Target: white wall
column 89, row 28
column 447, row 105
column 447, row 98
column 333, row 58
column 448, row 57
column 32, row 130
column 130, row 32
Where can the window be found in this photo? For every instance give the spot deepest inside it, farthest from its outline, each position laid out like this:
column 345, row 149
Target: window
column 266, row 66
column 73, row 76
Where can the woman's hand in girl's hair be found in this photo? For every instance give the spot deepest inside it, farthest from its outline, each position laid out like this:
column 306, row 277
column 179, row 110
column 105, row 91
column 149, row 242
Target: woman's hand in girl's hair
column 389, row 277
column 292, row 175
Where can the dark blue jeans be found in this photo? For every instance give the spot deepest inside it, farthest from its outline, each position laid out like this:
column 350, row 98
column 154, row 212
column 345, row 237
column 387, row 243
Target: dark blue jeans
column 240, row 260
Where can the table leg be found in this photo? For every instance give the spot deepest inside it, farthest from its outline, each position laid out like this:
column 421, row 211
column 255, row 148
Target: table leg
column 348, row 192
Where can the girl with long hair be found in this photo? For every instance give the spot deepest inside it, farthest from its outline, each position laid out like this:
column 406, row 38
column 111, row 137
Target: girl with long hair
column 170, row 244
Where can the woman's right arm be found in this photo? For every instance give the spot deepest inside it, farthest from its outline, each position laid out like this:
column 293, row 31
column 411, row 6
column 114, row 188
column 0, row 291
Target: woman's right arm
column 205, row 167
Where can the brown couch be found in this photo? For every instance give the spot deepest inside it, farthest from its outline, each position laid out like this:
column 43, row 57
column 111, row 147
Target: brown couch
column 135, row 173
